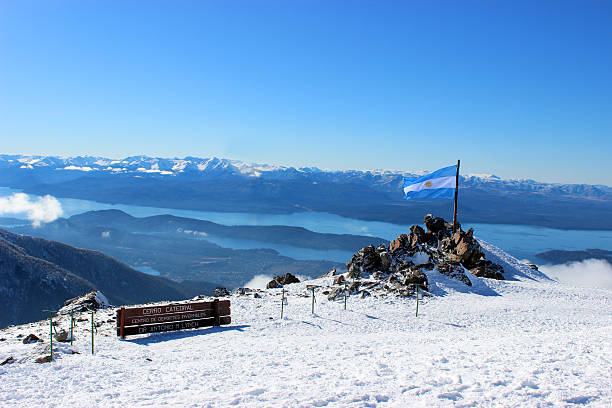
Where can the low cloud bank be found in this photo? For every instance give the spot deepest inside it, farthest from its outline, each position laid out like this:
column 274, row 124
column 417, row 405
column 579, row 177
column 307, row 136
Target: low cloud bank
column 590, row 273
column 40, row 210
column 258, row 282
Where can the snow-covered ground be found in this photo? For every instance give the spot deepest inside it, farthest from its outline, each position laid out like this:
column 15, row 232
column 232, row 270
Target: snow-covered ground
column 529, row 342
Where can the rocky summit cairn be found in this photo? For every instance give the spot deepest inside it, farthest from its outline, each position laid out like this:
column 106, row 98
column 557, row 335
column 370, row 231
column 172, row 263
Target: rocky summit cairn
column 404, row 263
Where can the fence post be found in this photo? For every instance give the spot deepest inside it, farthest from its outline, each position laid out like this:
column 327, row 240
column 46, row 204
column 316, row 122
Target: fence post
column 345, row 289
column 216, row 312
column 417, row 296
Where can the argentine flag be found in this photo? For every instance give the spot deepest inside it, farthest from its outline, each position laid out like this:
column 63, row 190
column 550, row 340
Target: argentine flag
column 439, row 184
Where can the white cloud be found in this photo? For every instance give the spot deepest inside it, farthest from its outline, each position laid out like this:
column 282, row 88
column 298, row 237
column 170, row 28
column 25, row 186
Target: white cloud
column 105, row 234
column 40, row 210
column 258, row 282
column 590, row 273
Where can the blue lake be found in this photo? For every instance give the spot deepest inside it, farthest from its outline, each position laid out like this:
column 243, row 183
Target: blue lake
column 519, row 240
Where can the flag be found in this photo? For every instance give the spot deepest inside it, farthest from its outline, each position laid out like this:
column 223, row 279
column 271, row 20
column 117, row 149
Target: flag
column 439, row 184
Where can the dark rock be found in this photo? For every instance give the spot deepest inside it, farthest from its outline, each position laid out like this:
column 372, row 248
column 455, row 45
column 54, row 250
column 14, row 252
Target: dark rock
column 385, row 260
column 273, row 284
column 370, row 259
column 434, row 224
column 328, row 274
column 288, row 279
column 43, row 359
column 91, row 301
column 336, row 293
column 532, row 266
column 62, row 336
column 488, row 270
column 453, row 270
column 8, row 360
column 415, row 277
column 220, row 291
column 365, row 293
column 339, row 280
column 31, row 338
column 256, row 295
column 354, row 287
column 428, row 266
column 398, row 244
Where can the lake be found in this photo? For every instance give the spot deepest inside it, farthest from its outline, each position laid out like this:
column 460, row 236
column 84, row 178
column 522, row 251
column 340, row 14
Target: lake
column 521, row 241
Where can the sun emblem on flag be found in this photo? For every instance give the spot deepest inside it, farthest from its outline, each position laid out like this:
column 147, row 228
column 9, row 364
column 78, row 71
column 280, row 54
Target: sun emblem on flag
column 428, row 184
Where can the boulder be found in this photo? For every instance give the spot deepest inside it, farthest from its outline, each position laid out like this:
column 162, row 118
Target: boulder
column 488, row 269
column 8, row 360
column 43, row 359
column 328, row 274
column 336, row 293
column 288, row 279
column 31, row 338
column 273, row 284
column 92, row 301
column 415, row 277
column 385, row 260
column 434, row 224
column 453, row 270
column 62, row 336
column 280, row 281
column 220, row 291
column 339, row 280
column 398, row 243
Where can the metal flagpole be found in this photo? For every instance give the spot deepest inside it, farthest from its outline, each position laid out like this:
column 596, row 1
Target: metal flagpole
column 456, row 193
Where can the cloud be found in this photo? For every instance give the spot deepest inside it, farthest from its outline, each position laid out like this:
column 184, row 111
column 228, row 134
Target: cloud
column 258, row 282
column 40, row 210
column 590, row 273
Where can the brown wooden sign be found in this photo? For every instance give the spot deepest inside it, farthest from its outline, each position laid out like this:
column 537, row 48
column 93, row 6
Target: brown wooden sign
column 170, row 317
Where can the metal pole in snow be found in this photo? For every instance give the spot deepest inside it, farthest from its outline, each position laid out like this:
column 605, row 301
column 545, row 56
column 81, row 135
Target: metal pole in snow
column 71, row 326
column 50, row 332
column 313, row 299
column 92, row 332
column 345, row 284
column 282, row 302
column 417, row 296
column 456, row 193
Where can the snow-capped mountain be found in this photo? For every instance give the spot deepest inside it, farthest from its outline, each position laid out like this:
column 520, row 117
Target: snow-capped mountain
column 214, row 184
column 216, row 167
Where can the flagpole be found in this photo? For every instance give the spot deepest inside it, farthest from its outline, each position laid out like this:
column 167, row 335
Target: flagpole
column 456, row 193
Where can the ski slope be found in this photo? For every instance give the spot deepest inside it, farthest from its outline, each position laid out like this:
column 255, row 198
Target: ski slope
column 527, row 342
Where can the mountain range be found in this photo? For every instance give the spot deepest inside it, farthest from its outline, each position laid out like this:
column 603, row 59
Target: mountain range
column 215, row 184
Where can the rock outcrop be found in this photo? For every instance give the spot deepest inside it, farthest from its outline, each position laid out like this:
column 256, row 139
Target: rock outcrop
column 403, row 265
column 280, row 281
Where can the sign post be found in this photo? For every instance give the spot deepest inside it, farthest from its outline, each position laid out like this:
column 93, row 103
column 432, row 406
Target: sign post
column 173, row 316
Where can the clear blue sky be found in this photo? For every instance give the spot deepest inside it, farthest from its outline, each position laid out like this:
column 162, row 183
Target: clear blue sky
column 517, row 89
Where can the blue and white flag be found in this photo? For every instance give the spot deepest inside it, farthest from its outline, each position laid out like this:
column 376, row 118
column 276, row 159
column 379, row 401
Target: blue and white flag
column 439, row 184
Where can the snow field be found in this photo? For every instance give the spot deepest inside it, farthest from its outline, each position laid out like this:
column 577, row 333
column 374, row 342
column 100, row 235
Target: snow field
column 529, row 342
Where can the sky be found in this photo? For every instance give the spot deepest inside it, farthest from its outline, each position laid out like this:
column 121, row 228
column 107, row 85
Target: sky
column 512, row 88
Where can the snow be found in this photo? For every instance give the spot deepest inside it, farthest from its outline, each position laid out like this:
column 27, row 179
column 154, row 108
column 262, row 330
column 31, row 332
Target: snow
column 526, row 342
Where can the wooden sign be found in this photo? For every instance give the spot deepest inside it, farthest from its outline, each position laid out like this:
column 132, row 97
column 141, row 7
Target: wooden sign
column 170, row 317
